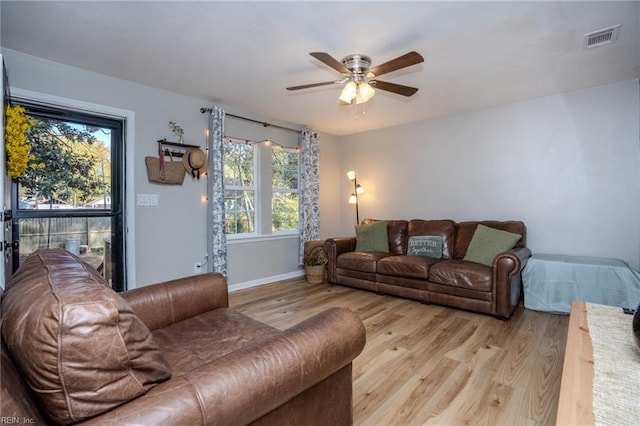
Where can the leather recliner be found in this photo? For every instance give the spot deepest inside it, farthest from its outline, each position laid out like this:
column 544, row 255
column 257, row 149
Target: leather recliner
column 173, row 353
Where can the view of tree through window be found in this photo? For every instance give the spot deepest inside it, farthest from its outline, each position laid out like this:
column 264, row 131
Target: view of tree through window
column 75, row 167
column 239, row 188
column 245, row 186
column 284, row 201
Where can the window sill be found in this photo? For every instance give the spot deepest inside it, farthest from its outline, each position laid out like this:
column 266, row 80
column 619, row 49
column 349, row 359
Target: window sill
column 233, row 239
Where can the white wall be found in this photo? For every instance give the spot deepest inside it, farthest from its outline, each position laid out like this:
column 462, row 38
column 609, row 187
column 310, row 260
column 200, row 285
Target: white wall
column 171, row 237
column 567, row 165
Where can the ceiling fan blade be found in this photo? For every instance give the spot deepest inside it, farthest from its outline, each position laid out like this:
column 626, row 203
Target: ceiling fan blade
column 306, row 86
column 393, row 87
column 400, row 62
column 331, row 61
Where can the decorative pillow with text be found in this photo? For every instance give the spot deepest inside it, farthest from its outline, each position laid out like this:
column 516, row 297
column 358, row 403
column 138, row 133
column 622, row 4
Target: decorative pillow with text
column 425, row 245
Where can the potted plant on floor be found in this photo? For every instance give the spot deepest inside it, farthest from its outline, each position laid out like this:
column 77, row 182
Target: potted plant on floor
column 314, row 265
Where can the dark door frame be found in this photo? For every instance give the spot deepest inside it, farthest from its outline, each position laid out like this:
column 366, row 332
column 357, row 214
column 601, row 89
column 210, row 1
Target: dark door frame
column 117, row 212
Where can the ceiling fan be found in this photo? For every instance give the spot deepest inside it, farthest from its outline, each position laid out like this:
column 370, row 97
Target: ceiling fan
column 361, row 78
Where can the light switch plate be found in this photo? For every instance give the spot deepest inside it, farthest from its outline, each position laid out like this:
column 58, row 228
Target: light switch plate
column 147, row 199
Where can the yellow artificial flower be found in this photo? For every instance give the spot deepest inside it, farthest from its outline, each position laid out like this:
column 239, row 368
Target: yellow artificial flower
column 16, row 146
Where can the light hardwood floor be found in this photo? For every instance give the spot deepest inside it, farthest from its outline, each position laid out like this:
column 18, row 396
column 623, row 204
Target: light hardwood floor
column 427, row 364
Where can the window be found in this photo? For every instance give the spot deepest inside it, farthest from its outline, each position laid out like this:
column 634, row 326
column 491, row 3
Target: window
column 239, row 188
column 74, row 197
column 273, row 186
column 284, row 197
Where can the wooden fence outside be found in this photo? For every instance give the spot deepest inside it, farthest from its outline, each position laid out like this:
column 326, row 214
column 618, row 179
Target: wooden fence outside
column 36, row 233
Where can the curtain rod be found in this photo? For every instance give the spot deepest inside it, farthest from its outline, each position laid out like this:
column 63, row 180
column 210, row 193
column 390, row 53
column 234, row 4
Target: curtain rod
column 265, row 124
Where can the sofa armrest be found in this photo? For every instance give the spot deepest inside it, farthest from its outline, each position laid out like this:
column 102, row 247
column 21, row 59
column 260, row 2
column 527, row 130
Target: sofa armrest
column 244, row 385
column 334, row 247
column 507, row 280
column 512, row 261
column 161, row 304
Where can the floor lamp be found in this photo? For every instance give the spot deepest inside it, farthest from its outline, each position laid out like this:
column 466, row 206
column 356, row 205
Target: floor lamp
column 357, row 190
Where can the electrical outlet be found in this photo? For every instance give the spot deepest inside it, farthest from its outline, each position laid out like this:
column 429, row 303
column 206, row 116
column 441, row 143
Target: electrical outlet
column 197, row 268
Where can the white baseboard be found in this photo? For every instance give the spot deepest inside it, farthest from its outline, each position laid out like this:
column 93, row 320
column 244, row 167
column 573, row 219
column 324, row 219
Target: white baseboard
column 266, row 280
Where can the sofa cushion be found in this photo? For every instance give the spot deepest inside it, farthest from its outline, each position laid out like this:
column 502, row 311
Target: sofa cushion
column 191, row 343
column 372, row 237
column 364, row 262
column 458, row 273
column 406, row 266
column 79, row 345
column 487, row 243
column 444, row 228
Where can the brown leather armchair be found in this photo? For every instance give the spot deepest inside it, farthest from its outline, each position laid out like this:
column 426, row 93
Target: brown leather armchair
column 195, row 361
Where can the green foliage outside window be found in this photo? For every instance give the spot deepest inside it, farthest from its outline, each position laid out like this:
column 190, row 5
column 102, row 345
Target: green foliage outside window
column 284, row 202
column 77, row 166
column 239, row 194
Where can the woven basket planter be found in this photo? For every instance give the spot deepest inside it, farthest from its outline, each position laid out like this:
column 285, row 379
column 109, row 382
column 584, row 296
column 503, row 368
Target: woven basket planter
column 315, row 274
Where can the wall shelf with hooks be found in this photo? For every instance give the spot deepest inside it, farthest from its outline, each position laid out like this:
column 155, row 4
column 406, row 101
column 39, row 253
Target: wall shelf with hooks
column 174, row 149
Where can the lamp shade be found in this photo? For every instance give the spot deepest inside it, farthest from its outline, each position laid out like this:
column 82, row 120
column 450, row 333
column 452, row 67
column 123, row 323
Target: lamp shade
column 359, row 189
column 364, row 93
column 353, row 199
column 349, row 92
column 351, row 175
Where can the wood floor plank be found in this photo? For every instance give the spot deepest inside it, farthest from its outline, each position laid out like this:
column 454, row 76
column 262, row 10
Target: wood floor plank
column 428, row 364
column 477, row 396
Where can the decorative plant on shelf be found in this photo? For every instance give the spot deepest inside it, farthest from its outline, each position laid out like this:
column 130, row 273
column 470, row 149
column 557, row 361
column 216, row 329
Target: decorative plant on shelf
column 16, row 145
column 177, row 130
column 314, row 265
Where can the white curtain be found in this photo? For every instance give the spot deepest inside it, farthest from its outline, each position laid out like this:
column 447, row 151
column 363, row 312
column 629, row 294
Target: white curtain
column 309, row 189
column 216, row 238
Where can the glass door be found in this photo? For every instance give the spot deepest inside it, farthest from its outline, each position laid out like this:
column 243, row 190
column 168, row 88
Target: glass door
column 72, row 195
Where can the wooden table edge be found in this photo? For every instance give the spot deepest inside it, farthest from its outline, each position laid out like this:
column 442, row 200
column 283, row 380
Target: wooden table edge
column 575, row 404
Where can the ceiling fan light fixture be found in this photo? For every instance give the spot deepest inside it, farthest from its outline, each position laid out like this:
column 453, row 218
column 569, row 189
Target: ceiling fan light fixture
column 349, row 92
column 365, row 93
column 356, row 72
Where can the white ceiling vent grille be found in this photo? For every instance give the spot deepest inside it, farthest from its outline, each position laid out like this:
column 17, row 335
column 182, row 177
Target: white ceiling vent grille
column 601, row 37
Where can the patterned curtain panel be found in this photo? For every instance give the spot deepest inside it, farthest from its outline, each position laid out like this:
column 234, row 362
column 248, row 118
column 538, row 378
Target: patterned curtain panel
column 309, row 189
column 216, row 238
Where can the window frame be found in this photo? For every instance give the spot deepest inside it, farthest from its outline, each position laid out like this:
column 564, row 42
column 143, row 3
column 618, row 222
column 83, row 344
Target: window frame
column 263, row 190
column 254, row 188
column 296, row 191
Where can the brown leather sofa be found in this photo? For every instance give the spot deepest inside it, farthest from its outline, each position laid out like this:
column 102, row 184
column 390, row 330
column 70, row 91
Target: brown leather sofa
column 449, row 280
column 168, row 354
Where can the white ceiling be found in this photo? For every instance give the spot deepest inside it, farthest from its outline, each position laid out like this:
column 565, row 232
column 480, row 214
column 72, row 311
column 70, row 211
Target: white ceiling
column 244, row 54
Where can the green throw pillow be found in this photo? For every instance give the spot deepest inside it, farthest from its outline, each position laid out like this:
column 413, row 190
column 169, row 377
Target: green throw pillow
column 487, row 243
column 372, row 237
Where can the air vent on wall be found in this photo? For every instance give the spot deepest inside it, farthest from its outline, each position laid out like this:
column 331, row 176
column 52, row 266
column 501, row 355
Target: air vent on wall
column 601, row 37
